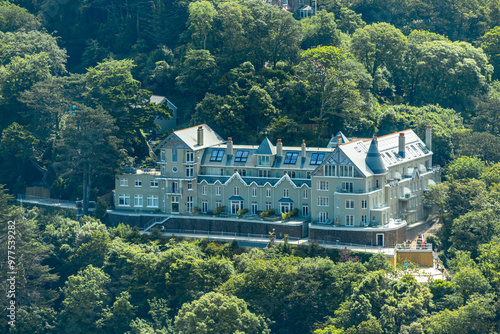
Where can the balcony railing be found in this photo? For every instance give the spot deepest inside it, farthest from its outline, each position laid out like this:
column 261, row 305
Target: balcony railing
column 356, row 191
column 380, row 206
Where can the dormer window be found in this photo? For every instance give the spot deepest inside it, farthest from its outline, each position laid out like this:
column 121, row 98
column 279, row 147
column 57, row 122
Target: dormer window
column 217, row 155
column 241, row 156
column 317, row 158
column 291, row 158
column 263, row 160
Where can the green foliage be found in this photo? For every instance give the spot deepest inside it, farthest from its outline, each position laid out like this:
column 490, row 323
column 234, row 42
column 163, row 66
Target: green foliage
column 218, row 210
column 218, row 313
column 242, row 212
column 465, row 168
column 266, row 213
column 320, row 30
column 13, row 18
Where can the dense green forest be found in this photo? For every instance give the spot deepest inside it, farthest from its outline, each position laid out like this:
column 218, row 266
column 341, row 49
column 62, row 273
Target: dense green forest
column 82, row 277
column 75, row 78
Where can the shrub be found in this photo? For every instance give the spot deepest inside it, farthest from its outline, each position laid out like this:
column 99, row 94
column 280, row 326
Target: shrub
column 218, row 210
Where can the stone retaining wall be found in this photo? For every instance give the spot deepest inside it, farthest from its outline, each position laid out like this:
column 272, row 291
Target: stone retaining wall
column 359, row 236
column 293, row 229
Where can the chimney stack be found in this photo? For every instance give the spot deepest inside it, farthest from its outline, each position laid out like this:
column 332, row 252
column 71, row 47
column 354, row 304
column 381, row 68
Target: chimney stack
column 339, row 140
column 279, row 148
column 428, row 137
column 402, row 144
column 303, row 146
column 200, row 135
column 230, row 146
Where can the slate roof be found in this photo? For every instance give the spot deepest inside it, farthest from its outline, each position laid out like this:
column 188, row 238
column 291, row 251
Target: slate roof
column 190, row 137
column 266, row 148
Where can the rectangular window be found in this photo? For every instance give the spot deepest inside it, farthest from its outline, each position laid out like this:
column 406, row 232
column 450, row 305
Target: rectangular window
column 268, row 192
column 162, row 155
column 364, row 204
column 190, row 203
column 204, row 190
column 317, row 158
column 268, row 205
column 254, row 208
column 152, row 201
column 138, row 200
column 264, row 173
column 349, row 220
column 236, row 191
column 305, row 194
column 218, row 203
column 263, row 160
column 364, row 220
column 123, row 182
column 154, row 184
column 330, row 170
column 285, row 193
column 204, row 206
column 123, row 200
column 349, row 204
column 189, row 171
column 241, row 156
column 323, row 217
column 217, row 191
column 189, row 156
column 190, row 185
column 323, row 185
column 174, row 155
column 305, row 210
column 291, row 158
column 322, row 201
column 163, row 170
column 138, row 183
column 346, row 171
column 285, row 3
column 347, row 187
column 217, row 155
column 254, row 192
column 290, row 173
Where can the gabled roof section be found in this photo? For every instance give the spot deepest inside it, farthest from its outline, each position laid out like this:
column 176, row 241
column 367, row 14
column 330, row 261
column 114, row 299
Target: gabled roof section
column 189, row 137
column 333, row 141
column 374, row 159
column 266, row 148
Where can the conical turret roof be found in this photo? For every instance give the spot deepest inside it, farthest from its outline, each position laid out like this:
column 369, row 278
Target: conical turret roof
column 374, row 159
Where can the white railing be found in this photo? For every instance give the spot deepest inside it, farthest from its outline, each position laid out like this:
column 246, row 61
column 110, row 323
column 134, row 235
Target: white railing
column 155, row 221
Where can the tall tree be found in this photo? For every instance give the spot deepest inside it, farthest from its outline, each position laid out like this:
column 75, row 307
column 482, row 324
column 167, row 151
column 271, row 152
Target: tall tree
column 88, row 146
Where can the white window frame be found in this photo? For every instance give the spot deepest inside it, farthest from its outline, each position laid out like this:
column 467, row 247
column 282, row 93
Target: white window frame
column 349, row 204
column 154, row 183
column 236, row 191
column 305, row 194
column 189, row 171
column 152, row 201
column 268, row 192
column 190, row 185
column 364, row 204
column 162, row 155
column 137, row 183
column 218, row 203
column 123, row 182
column 255, row 208
column 268, row 206
column 323, row 201
column 138, row 200
column 204, row 190
column 217, row 191
column 305, row 210
column 123, row 200
column 364, row 220
column 254, row 192
column 323, row 185
column 285, row 193
column 204, row 206
column 189, row 156
column 349, row 220
column 347, row 187
column 323, row 217
column 189, row 203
